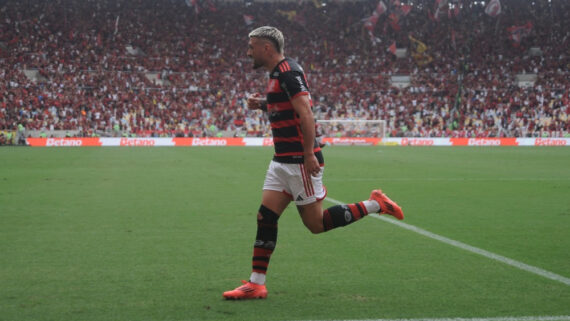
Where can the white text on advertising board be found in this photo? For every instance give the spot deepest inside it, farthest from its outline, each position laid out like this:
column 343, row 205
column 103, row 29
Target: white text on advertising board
column 417, row 142
column 62, row 142
column 208, row 142
column 483, row 142
column 136, row 142
column 550, row 142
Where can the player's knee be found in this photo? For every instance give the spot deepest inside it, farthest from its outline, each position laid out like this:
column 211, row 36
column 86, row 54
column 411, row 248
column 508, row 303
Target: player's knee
column 267, row 216
column 266, row 229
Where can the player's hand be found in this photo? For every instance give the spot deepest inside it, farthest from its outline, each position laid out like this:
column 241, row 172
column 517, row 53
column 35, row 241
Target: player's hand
column 255, row 101
column 312, row 166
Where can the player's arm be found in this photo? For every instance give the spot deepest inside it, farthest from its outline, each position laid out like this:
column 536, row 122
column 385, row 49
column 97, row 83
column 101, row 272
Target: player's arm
column 302, row 106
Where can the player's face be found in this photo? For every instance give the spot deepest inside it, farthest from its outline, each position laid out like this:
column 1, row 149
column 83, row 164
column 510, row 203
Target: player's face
column 255, row 50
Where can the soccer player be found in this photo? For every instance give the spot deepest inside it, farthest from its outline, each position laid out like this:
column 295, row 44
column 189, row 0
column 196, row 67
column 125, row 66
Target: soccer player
column 296, row 171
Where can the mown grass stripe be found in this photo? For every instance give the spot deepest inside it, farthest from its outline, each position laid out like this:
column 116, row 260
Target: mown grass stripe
column 476, row 250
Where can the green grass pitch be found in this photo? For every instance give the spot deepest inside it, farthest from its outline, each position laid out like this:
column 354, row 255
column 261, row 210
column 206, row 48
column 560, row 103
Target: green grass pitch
column 160, row 233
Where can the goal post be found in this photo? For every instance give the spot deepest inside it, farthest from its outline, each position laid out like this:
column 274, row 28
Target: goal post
column 352, row 128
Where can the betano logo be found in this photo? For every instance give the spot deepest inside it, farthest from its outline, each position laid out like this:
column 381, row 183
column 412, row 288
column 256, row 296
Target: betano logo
column 136, row 142
column 484, row 142
column 209, row 142
column 417, row 142
column 63, row 142
column 350, row 141
column 549, row 142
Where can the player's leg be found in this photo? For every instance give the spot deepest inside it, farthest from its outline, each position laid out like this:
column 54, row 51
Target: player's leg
column 312, row 216
column 310, row 193
column 273, row 203
column 272, row 206
column 317, row 220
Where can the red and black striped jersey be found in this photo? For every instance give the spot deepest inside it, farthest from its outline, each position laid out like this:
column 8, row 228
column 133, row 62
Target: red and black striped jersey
column 287, row 81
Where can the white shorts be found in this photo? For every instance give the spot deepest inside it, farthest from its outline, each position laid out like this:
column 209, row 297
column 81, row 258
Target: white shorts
column 292, row 180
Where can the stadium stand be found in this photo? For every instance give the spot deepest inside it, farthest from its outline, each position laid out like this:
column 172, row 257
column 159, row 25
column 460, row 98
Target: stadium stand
column 164, row 68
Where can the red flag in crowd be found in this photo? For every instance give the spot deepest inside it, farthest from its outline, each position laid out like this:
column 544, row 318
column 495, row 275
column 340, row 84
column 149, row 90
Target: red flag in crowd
column 398, row 12
column 248, row 19
column 493, row 8
column 394, row 19
column 392, row 48
column 381, row 8
column 371, row 21
column 517, row 33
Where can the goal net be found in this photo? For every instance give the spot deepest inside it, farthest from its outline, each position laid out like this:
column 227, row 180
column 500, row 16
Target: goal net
column 352, row 128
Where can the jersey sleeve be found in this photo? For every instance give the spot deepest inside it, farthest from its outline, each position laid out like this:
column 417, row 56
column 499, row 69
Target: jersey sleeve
column 293, row 83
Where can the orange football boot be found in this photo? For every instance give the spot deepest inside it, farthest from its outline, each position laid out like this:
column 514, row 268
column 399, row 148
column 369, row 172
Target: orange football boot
column 247, row 291
column 387, row 206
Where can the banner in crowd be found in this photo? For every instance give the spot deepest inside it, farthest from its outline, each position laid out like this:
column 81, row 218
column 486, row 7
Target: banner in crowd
column 419, row 52
column 517, row 33
column 371, row 21
column 255, row 141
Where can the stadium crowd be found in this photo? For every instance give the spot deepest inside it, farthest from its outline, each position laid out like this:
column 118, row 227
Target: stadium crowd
column 165, row 68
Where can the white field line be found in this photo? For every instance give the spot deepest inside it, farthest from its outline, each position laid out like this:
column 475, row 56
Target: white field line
column 463, row 246
column 537, row 318
column 451, row 179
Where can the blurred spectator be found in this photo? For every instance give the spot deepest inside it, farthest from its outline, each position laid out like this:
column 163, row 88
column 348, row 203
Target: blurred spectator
column 156, row 68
